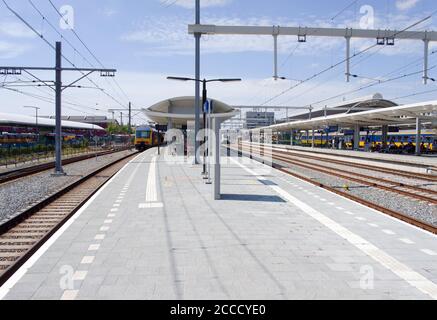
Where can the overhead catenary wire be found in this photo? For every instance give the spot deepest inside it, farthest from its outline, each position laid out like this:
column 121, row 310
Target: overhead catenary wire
column 343, row 61
column 85, row 46
column 372, row 85
column 376, row 82
column 344, row 9
column 41, row 36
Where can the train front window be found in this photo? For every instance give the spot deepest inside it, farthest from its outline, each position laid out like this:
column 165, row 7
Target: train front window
column 143, row 134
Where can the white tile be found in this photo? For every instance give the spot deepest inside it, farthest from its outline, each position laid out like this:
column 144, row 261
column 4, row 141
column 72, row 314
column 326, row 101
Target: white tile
column 389, row 232
column 94, row 247
column 150, row 205
column 429, row 252
column 99, row 237
column 70, row 295
column 108, row 221
column 104, row 229
column 88, row 260
column 80, row 275
column 407, row 241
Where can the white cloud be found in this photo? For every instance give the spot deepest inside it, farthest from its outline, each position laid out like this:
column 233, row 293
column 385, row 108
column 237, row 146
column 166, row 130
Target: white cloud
column 190, row 4
column 170, row 37
column 9, row 50
column 109, row 12
column 15, row 30
column 404, row 5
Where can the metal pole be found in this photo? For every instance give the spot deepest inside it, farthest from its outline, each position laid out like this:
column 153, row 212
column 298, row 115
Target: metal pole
column 197, row 85
column 130, row 118
column 348, row 59
column 205, row 98
column 121, row 118
column 357, row 137
column 58, row 130
column 313, row 143
column 425, row 62
column 37, row 128
column 275, row 58
column 159, row 141
column 418, row 136
column 217, row 163
column 210, row 146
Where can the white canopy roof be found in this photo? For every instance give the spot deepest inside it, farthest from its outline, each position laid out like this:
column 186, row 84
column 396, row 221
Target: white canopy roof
column 16, row 119
column 405, row 114
column 181, row 109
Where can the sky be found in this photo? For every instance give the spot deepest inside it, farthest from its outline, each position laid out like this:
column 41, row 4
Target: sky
column 148, row 40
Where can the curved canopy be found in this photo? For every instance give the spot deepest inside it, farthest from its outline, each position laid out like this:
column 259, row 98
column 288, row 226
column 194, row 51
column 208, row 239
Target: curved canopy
column 181, row 109
column 406, row 114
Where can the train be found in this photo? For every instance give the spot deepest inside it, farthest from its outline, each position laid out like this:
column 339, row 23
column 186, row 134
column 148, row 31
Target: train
column 147, row 137
column 404, row 140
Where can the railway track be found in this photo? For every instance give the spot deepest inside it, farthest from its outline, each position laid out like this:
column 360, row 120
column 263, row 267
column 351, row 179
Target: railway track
column 420, row 176
column 28, row 171
column 411, row 191
column 23, row 235
column 416, row 222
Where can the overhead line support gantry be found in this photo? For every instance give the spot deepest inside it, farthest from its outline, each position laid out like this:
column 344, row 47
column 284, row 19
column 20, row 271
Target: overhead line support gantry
column 383, row 37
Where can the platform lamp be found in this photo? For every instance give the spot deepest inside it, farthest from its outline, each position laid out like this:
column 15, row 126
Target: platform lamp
column 205, row 98
column 36, row 117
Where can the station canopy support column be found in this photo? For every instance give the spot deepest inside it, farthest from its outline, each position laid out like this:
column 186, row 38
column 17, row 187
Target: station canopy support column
column 313, row 143
column 216, row 124
column 418, row 136
column 384, row 137
column 357, row 137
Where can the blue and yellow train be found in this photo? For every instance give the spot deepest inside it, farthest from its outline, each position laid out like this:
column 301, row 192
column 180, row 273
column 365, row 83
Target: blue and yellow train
column 147, row 137
column 373, row 140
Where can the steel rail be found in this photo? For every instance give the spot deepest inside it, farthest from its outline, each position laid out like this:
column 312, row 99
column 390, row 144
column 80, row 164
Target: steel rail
column 24, row 234
column 341, row 174
column 12, row 175
column 418, row 176
column 413, row 221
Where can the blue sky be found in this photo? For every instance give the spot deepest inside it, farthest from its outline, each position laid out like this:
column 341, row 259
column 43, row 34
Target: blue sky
column 147, row 40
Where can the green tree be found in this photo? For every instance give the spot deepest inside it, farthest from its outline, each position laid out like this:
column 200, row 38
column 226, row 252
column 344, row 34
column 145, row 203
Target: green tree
column 117, row 129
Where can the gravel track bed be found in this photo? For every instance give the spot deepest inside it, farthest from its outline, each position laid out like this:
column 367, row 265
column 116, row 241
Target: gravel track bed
column 18, row 195
column 410, row 207
column 376, row 174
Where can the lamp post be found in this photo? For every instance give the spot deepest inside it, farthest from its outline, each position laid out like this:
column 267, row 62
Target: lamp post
column 36, row 117
column 205, row 98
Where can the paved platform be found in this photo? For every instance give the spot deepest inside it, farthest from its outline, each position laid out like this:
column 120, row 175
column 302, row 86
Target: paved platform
column 154, row 232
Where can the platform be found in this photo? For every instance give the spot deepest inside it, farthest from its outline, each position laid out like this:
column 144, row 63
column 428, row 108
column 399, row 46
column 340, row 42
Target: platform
column 418, row 164
column 154, row 232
